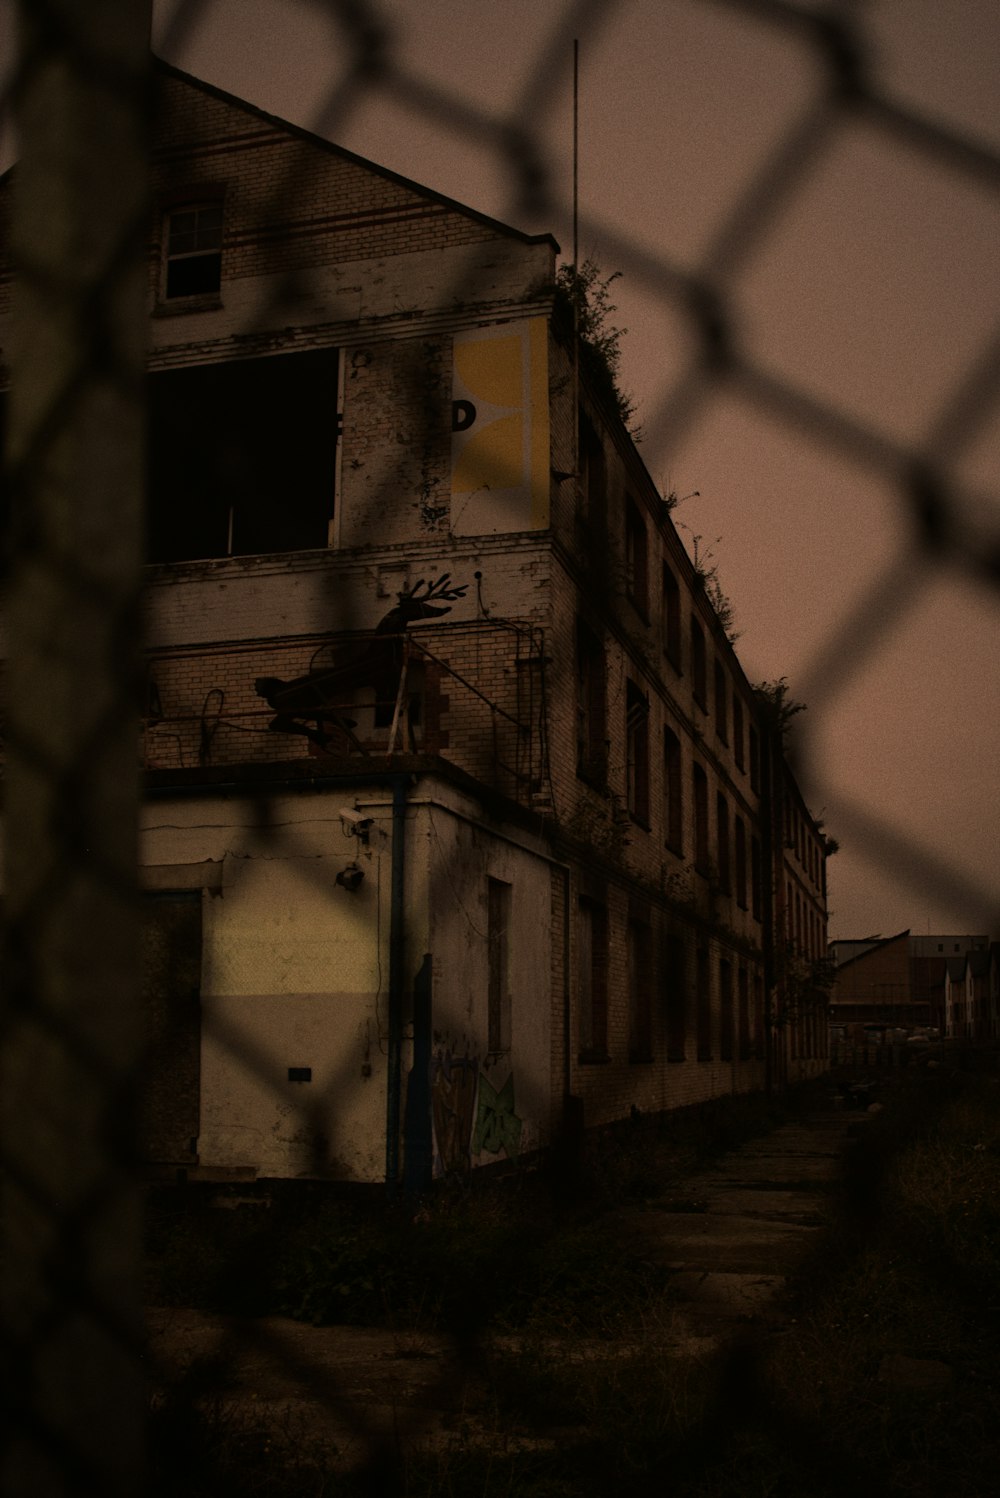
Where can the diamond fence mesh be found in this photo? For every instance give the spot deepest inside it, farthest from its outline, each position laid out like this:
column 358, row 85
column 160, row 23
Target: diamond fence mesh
column 71, row 1039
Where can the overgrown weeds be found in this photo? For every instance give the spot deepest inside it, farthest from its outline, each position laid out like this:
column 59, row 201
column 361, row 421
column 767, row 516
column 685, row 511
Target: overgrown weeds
column 881, row 1379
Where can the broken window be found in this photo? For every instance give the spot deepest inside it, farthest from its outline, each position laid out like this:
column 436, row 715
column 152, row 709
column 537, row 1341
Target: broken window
column 193, row 259
column 242, row 457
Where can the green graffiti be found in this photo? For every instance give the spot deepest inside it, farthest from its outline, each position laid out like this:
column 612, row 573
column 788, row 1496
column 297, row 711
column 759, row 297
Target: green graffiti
column 497, row 1125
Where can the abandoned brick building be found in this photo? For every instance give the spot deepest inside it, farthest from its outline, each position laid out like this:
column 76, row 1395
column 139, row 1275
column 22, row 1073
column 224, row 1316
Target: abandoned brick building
column 462, row 820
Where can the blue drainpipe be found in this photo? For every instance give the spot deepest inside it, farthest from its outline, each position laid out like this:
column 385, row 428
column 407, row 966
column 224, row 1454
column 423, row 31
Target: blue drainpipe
column 397, row 955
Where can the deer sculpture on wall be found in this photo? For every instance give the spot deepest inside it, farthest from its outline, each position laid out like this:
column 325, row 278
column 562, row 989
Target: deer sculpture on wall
column 319, row 697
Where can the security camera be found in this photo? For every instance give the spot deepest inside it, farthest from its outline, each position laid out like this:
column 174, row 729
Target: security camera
column 350, row 878
column 354, row 823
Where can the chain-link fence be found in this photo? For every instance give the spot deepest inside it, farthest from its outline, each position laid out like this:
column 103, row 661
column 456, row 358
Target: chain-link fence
column 71, row 1033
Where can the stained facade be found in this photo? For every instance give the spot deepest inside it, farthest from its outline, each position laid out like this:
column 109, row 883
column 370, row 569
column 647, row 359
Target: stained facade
column 463, row 822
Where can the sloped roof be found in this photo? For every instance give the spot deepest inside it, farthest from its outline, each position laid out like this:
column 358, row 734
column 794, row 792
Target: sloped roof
column 882, row 941
column 167, row 69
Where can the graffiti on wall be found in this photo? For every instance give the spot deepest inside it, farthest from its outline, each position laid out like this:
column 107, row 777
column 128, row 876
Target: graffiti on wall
column 497, row 1124
column 469, row 1115
column 453, row 1111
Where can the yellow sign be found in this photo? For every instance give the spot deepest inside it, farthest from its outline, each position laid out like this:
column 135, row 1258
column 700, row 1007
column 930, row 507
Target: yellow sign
column 500, row 429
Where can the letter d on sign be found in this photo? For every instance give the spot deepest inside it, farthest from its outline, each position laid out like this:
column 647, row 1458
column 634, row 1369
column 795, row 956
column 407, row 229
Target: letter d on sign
column 463, row 414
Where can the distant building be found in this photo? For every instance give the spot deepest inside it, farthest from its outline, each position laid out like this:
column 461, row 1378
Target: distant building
column 902, row 981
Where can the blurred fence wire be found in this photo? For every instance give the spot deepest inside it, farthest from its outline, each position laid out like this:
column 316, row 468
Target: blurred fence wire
column 75, row 1381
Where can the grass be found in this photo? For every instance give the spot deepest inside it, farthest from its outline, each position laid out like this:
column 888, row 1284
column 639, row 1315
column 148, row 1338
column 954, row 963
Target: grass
column 826, row 1404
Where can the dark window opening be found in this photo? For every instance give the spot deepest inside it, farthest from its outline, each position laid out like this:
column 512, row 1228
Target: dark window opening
column 721, row 704
column 673, row 791
column 738, row 732
column 242, row 457
column 699, row 665
column 725, row 1010
column 672, row 619
column 740, row 860
column 593, row 481
column 591, row 742
column 639, row 993
column 701, row 859
column 725, row 853
column 636, row 561
column 755, row 891
column 637, row 753
column 754, row 759
column 194, row 251
column 675, row 983
column 743, row 1013
column 592, row 978
column 704, row 1001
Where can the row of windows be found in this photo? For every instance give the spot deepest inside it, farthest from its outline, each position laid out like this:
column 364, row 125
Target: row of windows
column 688, row 1029
column 803, row 924
column 806, row 848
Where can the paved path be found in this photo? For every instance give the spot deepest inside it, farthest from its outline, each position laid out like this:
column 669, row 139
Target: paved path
column 729, row 1235
column 734, row 1231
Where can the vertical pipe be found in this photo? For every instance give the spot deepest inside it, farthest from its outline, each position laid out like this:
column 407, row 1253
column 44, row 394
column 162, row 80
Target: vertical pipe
column 397, row 958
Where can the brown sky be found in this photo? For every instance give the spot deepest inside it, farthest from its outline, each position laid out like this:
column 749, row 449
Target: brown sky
column 871, row 288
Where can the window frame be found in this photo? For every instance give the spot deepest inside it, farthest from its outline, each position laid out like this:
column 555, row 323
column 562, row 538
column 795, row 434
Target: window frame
column 206, row 254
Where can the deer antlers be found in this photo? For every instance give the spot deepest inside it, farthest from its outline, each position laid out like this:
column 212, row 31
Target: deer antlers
column 438, row 589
